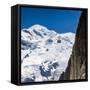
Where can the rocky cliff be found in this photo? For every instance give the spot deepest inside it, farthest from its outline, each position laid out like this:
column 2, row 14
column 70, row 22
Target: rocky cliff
column 77, row 65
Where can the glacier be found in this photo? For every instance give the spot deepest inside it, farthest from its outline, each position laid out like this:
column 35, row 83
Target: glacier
column 44, row 53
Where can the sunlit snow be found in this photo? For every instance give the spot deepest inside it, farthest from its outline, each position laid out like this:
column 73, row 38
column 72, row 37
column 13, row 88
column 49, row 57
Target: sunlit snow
column 44, row 53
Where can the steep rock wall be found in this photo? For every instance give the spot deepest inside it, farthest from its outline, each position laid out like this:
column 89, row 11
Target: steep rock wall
column 77, row 65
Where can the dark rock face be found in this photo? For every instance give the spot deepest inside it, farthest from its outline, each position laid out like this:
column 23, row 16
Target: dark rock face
column 77, row 65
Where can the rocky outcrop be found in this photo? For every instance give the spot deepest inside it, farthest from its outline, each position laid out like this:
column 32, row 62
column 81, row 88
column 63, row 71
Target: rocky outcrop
column 77, row 65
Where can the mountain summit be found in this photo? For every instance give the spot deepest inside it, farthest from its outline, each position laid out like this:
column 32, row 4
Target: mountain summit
column 36, row 32
column 44, row 53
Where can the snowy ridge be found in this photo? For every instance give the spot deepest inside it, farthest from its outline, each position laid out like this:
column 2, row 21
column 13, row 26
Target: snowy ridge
column 44, row 53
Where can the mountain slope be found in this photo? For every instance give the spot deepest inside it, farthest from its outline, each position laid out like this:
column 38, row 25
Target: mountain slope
column 44, row 53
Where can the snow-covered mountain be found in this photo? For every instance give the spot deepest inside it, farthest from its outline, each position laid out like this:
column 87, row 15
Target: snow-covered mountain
column 44, row 53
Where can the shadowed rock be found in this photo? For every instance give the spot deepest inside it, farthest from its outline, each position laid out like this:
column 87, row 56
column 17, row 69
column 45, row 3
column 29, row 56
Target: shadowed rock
column 76, row 68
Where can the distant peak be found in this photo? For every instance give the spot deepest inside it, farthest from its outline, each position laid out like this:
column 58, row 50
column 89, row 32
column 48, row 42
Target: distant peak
column 68, row 33
column 38, row 26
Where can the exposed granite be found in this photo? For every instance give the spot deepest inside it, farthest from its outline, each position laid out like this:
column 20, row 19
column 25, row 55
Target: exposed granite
column 76, row 68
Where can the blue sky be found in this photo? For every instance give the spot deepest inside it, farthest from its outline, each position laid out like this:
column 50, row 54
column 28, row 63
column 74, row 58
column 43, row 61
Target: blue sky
column 59, row 20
